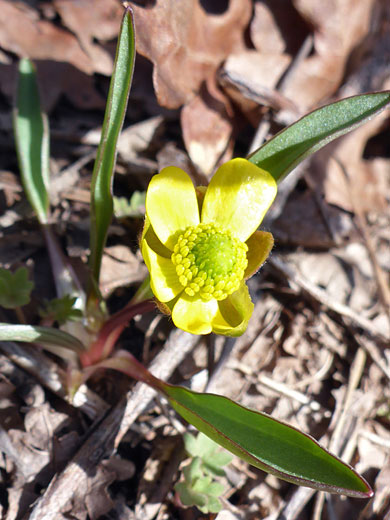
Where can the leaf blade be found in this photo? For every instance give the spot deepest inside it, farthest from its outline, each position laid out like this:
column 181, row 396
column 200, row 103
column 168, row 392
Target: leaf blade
column 291, row 145
column 39, row 334
column 102, row 177
column 267, row 443
column 31, row 131
column 15, row 288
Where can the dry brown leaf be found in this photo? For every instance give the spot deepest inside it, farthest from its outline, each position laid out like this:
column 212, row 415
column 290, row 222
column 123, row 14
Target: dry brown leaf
column 314, row 80
column 265, row 33
column 120, row 267
column 339, row 25
column 255, row 76
column 301, row 223
column 74, row 84
column 206, row 123
column 97, row 499
column 10, row 186
column 171, row 155
column 186, row 45
column 90, row 19
column 43, row 40
column 368, row 176
column 39, row 39
column 135, row 139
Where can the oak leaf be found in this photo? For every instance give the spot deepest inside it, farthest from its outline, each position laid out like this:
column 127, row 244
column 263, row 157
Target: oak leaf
column 186, row 44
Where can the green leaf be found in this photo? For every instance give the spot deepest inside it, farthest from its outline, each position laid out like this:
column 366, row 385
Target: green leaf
column 15, row 288
column 202, row 493
column 32, row 140
column 288, row 148
column 199, row 488
column 201, row 485
column 215, row 462
column 135, row 207
column 43, row 335
column 211, row 454
column 266, row 443
column 62, row 309
column 199, row 446
column 193, row 471
column 213, row 505
column 189, row 497
column 215, row 489
column 102, row 177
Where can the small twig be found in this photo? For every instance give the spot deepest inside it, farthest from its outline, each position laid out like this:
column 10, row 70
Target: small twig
column 355, row 375
column 296, row 504
column 20, row 315
column 68, row 485
column 283, row 389
column 302, row 54
column 338, row 437
column 321, row 373
column 277, row 386
column 223, row 358
column 211, row 341
column 383, row 287
column 373, row 351
column 260, row 134
column 324, row 210
column 322, row 297
column 318, row 505
column 375, row 439
column 51, row 376
column 148, row 337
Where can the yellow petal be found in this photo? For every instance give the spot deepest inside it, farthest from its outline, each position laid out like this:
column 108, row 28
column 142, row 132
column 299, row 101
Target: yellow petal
column 259, row 247
column 164, row 281
column 234, row 313
column 171, row 204
column 238, row 197
column 153, row 241
column 194, row 315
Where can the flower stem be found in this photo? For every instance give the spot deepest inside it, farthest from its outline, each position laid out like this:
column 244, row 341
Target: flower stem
column 108, row 335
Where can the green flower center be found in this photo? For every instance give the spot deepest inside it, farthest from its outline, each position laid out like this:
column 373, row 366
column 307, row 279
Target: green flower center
column 209, row 261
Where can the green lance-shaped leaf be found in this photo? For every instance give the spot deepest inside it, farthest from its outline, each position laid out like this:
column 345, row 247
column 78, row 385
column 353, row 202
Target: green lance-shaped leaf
column 261, row 440
column 43, row 335
column 266, row 443
column 32, row 144
column 289, row 147
column 32, row 140
column 101, row 188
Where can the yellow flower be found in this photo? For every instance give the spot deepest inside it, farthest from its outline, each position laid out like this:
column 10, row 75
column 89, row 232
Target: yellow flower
column 201, row 245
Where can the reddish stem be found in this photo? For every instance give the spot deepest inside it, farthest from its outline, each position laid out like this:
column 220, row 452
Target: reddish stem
column 124, row 362
column 135, row 369
column 108, row 335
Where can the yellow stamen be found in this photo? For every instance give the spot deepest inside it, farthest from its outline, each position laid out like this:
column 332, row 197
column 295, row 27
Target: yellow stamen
column 210, row 259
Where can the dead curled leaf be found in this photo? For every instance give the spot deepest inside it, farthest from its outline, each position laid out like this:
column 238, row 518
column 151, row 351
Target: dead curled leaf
column 367, row 177
column 42, row 39
column 206, row 123
column 188, row 44
column 90, row 20
column 250, row 78
column 120, row 267
column 39, row 39
column 265, row 32
column 339, row 26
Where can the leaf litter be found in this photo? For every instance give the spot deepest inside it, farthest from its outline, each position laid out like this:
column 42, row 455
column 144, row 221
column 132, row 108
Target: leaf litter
column 211, row 77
